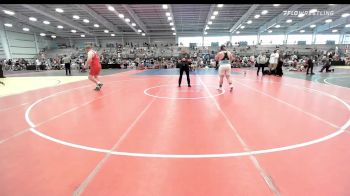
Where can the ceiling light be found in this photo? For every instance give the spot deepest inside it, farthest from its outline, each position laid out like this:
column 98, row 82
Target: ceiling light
column 210, row 22
column 96, row 25
column 270, row 31
column 121, row 15
column 220, row 5
column 106, row 31
column 76, row 17
column 345, row 15
column 167, row 14
column 25, row 29
column 53, row 36
column 215, row 13
column 312, row 26
column 173, row 28
column 289, row 21
column 301, row 15
column 170, row 18
column 60, row 27
column 127, row 20
column 112, row 34
column 313, row 11
column 205, row 33
column 174, row 33
column 171, row 24
column 8, row 24
column 242, row 27
column 42, row 34
column 82, row 35
column 139, row 31
column 73, row 31
column 237, row 32
column 249, row 22
column 143, row 34
column 46, row 22
column 277, row 26
column 276, row 5
column 86, row 21
column 264, row 12
column 207, row 28
column 302, row 31
column 111, row 8
column 133, row 24
column 9, row 12
column 32, row 19
column 328, row 20
column 59, row 10
column 212, row 17
column 348, row 25
column 257, row 16
column 334, row 31
column 165, row 6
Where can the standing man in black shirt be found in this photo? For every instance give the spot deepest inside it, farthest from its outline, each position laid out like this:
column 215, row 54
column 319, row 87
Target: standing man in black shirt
column 184, row 62
column 310, row 66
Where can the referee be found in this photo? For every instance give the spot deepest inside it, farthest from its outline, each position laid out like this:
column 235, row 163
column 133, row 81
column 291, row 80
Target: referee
column 184, row 62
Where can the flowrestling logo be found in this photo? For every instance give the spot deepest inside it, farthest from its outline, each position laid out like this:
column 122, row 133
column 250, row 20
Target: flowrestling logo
column 308, row 13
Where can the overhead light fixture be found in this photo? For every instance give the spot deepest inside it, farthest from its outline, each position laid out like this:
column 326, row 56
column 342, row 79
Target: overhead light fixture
column 174, row 33
column 86, row 21
column 205, row 33
column 220, row 5
column 312, row 26
column 264, row 12
column 215, row 13
column 237, row 32
column 334, row 30
column 170, row 18
column 82, row 35
column 173, row 28
column 302, row 31
column 313, row 11
column 8, row 12
column 96, row 25
column 277, row 26
column 25, row 29
column 53, row 36
column 249, row 22
column 171, row 24
column 143, row 34
column 301, row 15
column 348, row 25
column 167, row 14
column 289, row 21
column 8, row 24
column 127, row 20
column 345, row 15
column 242, row 27
column 111, row 8
column 328, row 20
column 270, row 31
column 106, row 31
column 59, row 10
column 276, row 5
column 42, row 34
column 207, row 28
column 257, row 16
column 76, row 17
column 73, row 31
column 210, row 22
column 139, row 30
column 121, row 15
column 60, row 27
column 46, row 22
column 212, row 17
column 133, row 24
column 32, row 19
column 165, row 6
column 112, row 34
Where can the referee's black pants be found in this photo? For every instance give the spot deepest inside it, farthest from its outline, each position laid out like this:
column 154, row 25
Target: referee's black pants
column 185, row 68
column 67, row 67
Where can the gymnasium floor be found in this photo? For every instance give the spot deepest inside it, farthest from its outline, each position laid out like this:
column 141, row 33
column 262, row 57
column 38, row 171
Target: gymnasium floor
column 141, row 135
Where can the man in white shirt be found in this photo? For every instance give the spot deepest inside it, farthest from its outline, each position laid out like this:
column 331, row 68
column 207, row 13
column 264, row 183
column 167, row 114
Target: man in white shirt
column 37, row 64
column 261, row 60
column 273, row 60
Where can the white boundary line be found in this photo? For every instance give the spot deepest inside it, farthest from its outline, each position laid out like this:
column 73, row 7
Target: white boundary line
column 12, row 107
column 325, row 81
column 299, row 145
